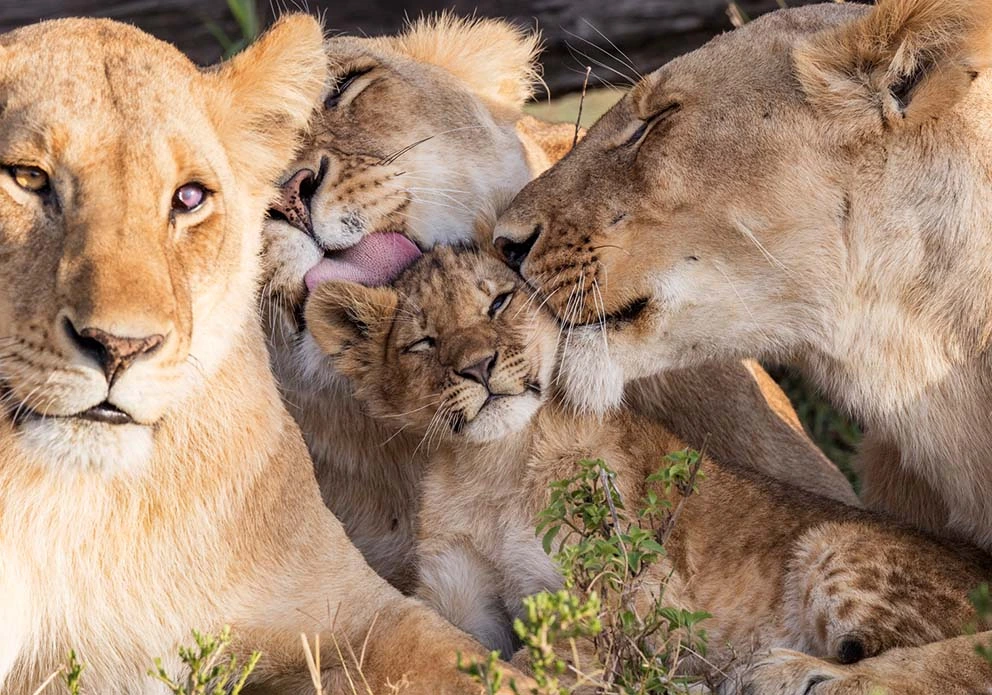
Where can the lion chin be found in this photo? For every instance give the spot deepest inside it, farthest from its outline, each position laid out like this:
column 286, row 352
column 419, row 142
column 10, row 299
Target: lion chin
column 72, row 444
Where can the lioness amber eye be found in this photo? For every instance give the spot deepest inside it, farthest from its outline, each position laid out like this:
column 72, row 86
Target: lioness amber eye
column 499, row 303
column 30, row 178
column 189, row 197
column 422, row 345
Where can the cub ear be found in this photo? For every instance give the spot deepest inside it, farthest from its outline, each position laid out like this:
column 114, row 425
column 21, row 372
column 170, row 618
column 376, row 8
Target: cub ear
column 344, row 315
column 497, row 60
column 263, row 97
column 908, row 59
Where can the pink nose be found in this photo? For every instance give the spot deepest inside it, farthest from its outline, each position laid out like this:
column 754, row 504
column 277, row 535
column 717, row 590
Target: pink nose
column 293, row 201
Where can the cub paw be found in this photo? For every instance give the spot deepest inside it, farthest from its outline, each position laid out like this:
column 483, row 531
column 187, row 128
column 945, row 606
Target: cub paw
column 785, row 672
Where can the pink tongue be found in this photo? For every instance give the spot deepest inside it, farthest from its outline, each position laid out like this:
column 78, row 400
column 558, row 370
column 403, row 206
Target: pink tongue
column 375, row 260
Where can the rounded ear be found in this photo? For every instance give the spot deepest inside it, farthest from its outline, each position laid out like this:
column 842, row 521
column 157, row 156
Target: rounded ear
column 263, row 98
column 912, row 58
column 497, row 60
column 343, row 316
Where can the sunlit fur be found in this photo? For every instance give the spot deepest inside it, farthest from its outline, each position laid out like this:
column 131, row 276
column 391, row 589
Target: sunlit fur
column 795, row 571
column 472, row 151
column 821, row 197
column 117, row 541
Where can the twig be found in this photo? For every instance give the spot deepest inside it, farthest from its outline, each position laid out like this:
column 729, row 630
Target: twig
column 582, row 99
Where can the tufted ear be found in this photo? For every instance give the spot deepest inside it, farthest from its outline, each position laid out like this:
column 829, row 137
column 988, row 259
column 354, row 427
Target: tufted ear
column 263, row 98
column 908, row 59
column 496, row 59
column 344, row 315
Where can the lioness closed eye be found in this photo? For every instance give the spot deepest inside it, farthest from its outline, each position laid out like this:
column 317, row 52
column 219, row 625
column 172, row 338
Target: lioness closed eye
column 460, row 354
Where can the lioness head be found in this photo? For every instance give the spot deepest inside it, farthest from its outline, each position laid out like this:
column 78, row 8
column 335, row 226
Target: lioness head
column 721, row 207
column 132, row 189
column 416, row 133
column 455, row 348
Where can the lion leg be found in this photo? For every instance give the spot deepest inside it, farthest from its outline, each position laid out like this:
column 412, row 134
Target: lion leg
column 855, row 590
column 463, row 586
column 950, row 667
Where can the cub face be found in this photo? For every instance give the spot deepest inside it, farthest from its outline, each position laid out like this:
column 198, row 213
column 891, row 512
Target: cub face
column 718, row 210
column 415, row 130
column 457, row 348
column 130, row 186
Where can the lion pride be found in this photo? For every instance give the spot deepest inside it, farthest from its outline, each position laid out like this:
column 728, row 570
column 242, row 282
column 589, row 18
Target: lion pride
column 150, row 481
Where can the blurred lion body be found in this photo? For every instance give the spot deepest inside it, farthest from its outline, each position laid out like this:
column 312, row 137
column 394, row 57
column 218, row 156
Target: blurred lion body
column 466, row 150
column 131, row 200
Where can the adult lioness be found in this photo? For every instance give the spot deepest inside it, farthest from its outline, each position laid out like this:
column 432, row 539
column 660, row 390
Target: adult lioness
column 457, row 351
column 420, row 138
column 824, row 201
column 150, row 482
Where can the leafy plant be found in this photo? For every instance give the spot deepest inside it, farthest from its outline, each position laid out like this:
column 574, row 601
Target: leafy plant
column 605, row 552
column 73, row 674
column 981, row 599
column 209, row 672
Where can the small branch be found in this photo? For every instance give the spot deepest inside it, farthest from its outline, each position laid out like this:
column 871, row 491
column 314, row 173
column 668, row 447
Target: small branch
column 582, row 99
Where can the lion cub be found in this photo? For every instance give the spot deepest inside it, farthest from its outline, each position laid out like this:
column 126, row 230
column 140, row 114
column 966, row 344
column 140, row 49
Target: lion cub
column 459, row 353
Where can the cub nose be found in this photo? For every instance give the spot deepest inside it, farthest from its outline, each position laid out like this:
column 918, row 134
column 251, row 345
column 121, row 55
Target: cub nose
column 480, row 371
column 113, row 353
column 514, row 243
column 293, row 202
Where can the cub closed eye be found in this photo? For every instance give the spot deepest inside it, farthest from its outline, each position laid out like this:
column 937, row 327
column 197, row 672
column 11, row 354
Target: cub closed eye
column 422, row 345
column 338, row 90
column 189, row 197
column 31, row 179
column 499, row 304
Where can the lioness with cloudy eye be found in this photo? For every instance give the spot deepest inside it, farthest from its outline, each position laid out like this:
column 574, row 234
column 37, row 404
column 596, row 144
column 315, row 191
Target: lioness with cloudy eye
column 825, row 201
column 456, row 352
column 420, row 139
column 150, row 481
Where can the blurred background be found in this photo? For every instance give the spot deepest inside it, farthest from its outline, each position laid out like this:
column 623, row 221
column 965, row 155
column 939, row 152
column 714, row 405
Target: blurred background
column 617, row 39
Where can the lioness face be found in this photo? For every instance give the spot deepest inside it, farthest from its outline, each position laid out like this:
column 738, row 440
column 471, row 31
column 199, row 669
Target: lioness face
column 456, row 349
column 415, row 134
column 709, row 214
column 130, row 183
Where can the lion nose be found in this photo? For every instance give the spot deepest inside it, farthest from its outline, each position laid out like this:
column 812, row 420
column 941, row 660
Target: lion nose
column 480, row 371
column 113, row 353
column 293, row 202
column 514, row 244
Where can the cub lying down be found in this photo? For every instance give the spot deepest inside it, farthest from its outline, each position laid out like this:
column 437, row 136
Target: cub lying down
column 459, row 353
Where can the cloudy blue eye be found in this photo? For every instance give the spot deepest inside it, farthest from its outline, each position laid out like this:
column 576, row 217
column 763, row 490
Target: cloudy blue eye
column 189, row 197
column 499, row 303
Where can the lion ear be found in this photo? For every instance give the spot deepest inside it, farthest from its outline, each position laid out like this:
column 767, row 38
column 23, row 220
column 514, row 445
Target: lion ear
column 263, row 97
column 497, row 60
column 910, row 58
column 344, row 315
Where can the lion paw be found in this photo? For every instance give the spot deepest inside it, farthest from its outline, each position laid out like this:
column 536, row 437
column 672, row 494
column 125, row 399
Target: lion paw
column 785, row 672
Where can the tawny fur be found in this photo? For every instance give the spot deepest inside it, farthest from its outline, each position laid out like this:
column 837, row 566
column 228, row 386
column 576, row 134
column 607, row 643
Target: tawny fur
column 117, row 541
column 795, row 571
column 824, row 202
column 475, row 149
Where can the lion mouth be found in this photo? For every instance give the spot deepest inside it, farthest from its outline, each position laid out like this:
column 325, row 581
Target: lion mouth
column 626, row 315
column 105, row 413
